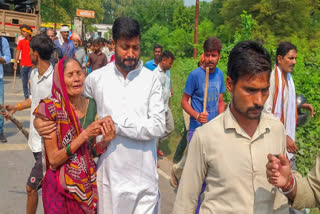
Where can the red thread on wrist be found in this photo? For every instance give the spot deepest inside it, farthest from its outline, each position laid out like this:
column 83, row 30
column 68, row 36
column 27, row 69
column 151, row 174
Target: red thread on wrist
column 290, row 183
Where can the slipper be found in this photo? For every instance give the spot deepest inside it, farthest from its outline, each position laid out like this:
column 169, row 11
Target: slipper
column 173, row 179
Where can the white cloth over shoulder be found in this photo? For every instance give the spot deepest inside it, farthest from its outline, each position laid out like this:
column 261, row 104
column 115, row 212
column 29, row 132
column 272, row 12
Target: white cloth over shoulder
column 290, row 123
column 127, row 175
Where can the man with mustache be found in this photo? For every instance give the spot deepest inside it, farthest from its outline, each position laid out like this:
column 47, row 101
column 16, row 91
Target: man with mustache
column 282, row 97
column 127, row 175
column 229, row 152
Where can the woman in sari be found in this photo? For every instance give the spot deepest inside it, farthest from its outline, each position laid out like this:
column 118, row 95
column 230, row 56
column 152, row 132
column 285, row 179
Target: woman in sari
column 69, row 185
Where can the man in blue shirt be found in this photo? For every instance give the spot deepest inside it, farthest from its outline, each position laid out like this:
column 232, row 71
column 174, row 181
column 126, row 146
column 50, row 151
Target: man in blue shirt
column 5, row 57
column 194, row 90
column 195, row 87
column 67, row 45
column 157, row 52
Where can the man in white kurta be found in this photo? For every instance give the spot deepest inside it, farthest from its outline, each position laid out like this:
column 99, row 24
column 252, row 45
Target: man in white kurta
column 127, row 172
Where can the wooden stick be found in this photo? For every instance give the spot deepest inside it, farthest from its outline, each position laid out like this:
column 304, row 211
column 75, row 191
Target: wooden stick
column 206, row 91
column 14, row 78
column 16, row 122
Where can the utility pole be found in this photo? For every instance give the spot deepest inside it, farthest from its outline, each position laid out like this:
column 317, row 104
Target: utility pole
column 195, row 40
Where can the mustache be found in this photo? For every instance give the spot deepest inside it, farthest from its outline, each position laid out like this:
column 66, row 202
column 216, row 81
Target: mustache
column 256, row 107
column 130, row 60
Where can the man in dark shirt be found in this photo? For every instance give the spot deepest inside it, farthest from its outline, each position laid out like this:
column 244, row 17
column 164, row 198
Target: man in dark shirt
column 57, row 53
column 96, row 59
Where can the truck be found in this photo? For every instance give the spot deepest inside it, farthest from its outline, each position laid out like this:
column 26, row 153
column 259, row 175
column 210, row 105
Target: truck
column 13, row 14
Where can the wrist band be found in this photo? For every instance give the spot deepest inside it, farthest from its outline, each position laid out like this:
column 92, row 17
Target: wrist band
column 69, row 153
column 290, row 190
column 19, row 106
column 98, row 151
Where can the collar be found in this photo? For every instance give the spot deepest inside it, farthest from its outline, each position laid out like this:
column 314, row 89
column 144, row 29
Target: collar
column 132, row 74
column 160, row 69
column 230, row 122
column 46, row 74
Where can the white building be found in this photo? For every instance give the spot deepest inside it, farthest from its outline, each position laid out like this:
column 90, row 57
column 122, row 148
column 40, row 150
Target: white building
column 102, row 29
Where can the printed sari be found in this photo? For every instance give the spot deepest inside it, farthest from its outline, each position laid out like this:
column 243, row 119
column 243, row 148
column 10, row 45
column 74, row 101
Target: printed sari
column 72, row 187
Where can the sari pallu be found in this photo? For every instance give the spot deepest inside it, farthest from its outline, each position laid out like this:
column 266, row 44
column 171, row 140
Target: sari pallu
column 75, row 179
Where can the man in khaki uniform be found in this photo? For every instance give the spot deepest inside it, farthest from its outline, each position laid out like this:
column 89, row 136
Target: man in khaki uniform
column 301, row 191
column 229, row 152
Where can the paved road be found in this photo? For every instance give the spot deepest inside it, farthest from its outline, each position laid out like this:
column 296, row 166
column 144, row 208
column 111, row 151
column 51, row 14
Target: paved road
column 16, row 161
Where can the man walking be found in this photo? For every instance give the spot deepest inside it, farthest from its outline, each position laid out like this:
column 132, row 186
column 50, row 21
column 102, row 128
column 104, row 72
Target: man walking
column 152, row 64
column 25, row 62
column 230, row 151
column 5, row 57
column 282, row 97
column 127, row 175
column 41, row 48
column 57, row 53
column 160, row 71
column 66, row 45
column 195, row 90
column 96, row 59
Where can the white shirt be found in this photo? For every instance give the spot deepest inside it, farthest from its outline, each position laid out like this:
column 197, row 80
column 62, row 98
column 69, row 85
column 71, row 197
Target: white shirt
column 165, row 83
column 40, row 88
column 127, row 176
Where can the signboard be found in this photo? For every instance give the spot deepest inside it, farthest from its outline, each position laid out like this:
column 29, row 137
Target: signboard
column 85, row 13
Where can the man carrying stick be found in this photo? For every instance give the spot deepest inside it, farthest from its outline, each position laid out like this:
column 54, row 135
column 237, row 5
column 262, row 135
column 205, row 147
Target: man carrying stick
column 205, row 88
column 195, row 90
column 41, row 48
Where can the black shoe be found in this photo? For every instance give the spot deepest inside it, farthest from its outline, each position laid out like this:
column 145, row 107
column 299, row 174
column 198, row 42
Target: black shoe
column 3, row 139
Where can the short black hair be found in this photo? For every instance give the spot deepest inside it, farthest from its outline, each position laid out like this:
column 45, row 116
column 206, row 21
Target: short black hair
column 157, row 46
column 23, row 26
column 284, row 48
column 167, row 54
column 248, row 58
column 96, row 42
column 108, row 42
column 126, row 28
column 42, row 44
column 212, row 44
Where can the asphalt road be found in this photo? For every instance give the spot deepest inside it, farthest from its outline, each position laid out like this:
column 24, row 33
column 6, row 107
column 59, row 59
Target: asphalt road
column 16, row 161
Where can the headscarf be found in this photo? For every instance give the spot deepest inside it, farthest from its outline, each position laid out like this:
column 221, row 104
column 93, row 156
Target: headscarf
column 77, row 176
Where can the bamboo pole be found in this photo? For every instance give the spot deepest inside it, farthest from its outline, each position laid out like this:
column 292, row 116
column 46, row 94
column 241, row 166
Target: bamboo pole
column 206, row 91
column 14, row 78
column 16, row 122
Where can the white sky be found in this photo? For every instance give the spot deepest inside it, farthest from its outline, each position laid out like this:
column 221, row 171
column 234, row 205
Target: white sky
column 192, row 2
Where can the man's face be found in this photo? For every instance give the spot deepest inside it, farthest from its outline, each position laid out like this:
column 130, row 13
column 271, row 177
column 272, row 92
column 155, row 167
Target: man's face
column 249, row 94
column 288, row 62
column 127, row 53
column 65, row 34
column 211, row 59
column 95, row 48
column 166, row 63
column 50, row 34
column 24, row 34
column 88, row 45
column 76, row 43
column 157, row 53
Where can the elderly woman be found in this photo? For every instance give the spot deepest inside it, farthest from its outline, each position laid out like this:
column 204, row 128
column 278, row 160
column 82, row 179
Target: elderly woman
column 69, row 185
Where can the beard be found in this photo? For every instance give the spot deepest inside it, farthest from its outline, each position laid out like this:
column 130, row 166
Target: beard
column 246, row 112
column 121, row 62
column 157, row 58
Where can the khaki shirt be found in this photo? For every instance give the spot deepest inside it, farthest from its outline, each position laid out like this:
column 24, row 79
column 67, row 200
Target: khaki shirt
column 234, row 168
column 308, row 188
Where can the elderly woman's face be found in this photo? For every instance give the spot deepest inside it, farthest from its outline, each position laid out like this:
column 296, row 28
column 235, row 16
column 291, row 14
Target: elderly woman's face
column 74, row 78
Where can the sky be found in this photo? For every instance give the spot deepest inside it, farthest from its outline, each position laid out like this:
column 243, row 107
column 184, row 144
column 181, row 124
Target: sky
column 192, row 2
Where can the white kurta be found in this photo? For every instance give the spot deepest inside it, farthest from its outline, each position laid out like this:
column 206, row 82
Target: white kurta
column 127, row 176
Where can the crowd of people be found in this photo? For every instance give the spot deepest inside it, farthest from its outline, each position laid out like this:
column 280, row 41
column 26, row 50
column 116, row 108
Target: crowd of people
column 103, row 102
